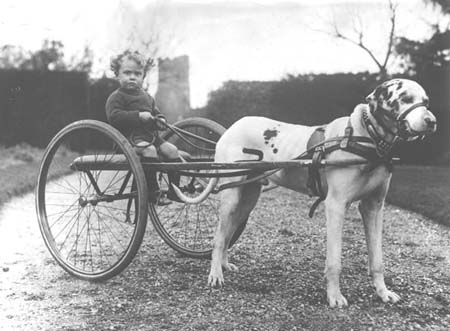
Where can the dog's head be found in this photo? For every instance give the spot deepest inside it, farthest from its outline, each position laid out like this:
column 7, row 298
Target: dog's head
column 405, row 102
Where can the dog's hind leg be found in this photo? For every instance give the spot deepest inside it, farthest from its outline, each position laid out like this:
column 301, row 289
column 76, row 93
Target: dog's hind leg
column 236, row 205
column 371, row 210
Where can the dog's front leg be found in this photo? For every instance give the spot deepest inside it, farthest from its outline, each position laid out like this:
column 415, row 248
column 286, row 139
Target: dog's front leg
column 335, row 213
column 371, row 210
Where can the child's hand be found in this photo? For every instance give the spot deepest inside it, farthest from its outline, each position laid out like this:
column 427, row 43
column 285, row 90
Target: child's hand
column 161, row 123
column 145, row 116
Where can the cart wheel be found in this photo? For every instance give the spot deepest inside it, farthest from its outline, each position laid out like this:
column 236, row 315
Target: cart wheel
column 189, row 229
column 91, row 200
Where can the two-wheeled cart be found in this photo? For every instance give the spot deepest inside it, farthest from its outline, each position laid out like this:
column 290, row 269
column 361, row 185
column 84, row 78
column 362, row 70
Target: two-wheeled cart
column 92, row 197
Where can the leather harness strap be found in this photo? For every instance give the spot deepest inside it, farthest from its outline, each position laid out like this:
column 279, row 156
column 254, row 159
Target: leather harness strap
column 318, row 147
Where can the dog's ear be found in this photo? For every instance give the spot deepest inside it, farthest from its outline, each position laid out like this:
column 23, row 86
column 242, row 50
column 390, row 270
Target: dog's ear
column 380, row 95
column 373, row 98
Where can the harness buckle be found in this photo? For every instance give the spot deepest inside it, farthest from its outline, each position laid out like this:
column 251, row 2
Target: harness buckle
column 346, row 139
column 383, row 148
column 344, row 143
column 319, row 149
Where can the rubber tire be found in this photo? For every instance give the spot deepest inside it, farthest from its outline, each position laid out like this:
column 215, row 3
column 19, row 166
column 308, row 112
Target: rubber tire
column 141, row 210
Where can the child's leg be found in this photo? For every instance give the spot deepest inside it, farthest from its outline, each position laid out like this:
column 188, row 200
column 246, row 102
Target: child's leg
column 143, row 149
column 170, row 153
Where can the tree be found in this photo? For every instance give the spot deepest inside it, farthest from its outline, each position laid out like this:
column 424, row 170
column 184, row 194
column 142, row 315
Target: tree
column 11, row 56
column 357, row 37
column 83, row 62
column 148, row 30
column 48, row 58
column 419, row 56
column 443, row 4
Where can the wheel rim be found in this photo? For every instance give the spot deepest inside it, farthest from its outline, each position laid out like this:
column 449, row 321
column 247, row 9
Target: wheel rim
column 190, row 227
column 88, row 224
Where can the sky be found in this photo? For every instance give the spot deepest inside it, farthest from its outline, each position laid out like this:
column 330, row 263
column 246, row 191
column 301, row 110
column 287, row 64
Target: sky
column 225, row 40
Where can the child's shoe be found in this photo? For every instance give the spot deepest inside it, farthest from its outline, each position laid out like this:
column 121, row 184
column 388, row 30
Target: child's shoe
column 158, row 199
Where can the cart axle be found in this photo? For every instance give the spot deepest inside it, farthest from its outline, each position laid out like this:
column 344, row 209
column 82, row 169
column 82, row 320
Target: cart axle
column 84, row 201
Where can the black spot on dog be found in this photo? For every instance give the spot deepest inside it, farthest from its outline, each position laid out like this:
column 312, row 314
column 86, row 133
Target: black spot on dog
column 395, row 105
column 384, row 93
column 378, row 91
column 275, row 150
column 399, row 85
column 407, row 99
column 269, row 134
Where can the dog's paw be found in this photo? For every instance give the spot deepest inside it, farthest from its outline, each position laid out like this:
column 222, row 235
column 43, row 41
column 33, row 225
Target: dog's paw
column 337, row 300
column 388, row 296
column 215, row 280
column 230, row 267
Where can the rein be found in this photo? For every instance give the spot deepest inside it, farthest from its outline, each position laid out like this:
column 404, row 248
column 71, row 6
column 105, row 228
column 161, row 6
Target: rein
column 180, row 133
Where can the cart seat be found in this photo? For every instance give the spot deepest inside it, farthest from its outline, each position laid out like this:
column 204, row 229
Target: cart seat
column 100, row 162
column 107, row 162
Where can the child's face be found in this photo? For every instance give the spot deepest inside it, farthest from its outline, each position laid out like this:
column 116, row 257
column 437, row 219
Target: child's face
column 131, row 75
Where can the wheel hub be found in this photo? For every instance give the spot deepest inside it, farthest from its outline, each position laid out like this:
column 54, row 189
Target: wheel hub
column 84, row 201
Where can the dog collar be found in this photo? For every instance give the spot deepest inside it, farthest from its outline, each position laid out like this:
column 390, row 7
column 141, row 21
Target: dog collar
column 383, row 147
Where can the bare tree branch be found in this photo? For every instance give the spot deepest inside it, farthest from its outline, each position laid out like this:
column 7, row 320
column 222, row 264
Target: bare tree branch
column 358, row 38
column 393, row 16
column 361, row 45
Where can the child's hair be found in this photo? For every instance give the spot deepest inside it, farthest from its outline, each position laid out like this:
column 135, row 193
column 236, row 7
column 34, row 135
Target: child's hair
column 116, row 62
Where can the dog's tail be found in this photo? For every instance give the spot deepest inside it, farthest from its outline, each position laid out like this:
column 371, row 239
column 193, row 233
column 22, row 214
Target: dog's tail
column 199, row 198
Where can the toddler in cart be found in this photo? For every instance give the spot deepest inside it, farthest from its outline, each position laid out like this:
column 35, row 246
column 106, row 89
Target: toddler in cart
column 132, row 111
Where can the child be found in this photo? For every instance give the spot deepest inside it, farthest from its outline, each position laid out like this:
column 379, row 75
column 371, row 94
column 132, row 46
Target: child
column 132, row 111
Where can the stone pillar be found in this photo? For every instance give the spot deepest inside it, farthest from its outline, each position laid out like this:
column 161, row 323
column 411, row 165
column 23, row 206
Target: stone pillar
column 172, row 95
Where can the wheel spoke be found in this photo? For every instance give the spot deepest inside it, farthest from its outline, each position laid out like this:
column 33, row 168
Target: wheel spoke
column 189, row 229
column 88, row 233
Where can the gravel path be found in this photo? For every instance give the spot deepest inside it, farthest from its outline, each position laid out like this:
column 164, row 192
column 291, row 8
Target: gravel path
column 279, row 286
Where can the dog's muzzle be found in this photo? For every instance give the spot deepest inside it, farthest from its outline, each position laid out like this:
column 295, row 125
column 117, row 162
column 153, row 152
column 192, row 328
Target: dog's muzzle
column 404, row 130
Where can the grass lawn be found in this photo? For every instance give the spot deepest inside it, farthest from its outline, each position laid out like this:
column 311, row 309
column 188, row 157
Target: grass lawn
column 423, row 189
column 19, row 168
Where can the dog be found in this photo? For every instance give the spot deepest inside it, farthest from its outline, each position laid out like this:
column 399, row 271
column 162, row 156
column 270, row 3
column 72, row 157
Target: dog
column 396, row 110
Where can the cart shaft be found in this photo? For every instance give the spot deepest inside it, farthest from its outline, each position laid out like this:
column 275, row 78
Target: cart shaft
column 85, row 163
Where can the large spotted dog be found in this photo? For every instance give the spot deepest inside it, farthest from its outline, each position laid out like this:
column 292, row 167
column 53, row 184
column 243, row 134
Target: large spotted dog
column 396, row 110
